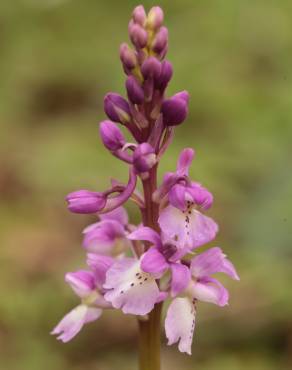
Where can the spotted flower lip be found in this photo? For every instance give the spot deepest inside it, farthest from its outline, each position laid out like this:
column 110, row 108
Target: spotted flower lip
column 130, row 288
column 181, row 314
column 190, row 229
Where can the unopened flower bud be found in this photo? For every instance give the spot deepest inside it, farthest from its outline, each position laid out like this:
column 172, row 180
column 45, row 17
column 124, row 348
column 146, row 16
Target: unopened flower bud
column 139, row 15
column 111, row 136
column 165, row 75
column 134, row 90
column 117, row 108
column 183, row 95
column 160, row 41
column 155, row 18
column 151, row 68
column 85, row 201
column 137, row 35
column 144, row 157
column 174, row 110
column 128, row 56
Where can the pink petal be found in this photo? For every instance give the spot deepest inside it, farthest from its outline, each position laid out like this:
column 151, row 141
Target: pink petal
column 180, row 278
column 130, row 288
column 162, row 297
column 146, row 233
column 210, row 290
column 154, row 262
column 180, row 323
column 184, row 161
column 177, row 196
column 102, row 237
column 211, row 261
column 99, row 265
column 119, row 214
column 82, row 282
column 73, row 322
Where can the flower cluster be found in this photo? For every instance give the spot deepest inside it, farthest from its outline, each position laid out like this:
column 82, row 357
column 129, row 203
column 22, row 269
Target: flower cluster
column 133, row 268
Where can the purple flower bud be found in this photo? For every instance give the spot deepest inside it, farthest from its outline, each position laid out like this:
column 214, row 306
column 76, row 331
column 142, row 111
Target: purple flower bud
column 144, row 157
column 137, row 35
column 174, row 110
column 183, row 95
column 139, row 15
column 111, row 136
column 151, row 68
column 155, row 18
column 165, row 75
column 117, row 108
column 160, row 41
column 128, row 56
column 134, row 90
column 85, row 201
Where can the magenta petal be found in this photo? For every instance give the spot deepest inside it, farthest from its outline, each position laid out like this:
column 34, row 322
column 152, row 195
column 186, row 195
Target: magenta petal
column 180, row 323
column 73, row 322
column 184, row 161
column 146, row 233
column 85, row 201
column 200, row 195
column 129, row 288
column 99, row 265
column 82, row 282
column 180, row 279
column 154, row 262
column 177, row 196
column 211, row 261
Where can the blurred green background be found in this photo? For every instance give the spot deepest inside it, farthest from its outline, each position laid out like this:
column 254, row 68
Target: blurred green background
column 57, row 60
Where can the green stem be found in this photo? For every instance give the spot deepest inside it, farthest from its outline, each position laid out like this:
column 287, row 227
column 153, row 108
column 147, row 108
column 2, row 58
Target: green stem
column 149, row 329
column 149, row 340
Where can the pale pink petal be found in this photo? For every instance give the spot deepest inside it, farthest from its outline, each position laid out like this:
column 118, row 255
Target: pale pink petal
column 189, row 229
column 211, row 261
column 147, row 234
column 130, row 288
column 102, row 236
column 180, row 278
column 73, row 322
column 154, row 262
column 180, row 323
column 119, row 214
column 105, row 237
column 209, row 290
column 82, row 282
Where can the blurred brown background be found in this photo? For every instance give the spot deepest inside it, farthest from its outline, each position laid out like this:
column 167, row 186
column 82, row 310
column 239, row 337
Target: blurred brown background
column 57, row 60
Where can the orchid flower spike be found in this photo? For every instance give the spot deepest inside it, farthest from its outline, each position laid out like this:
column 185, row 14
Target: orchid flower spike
column 136, row 268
